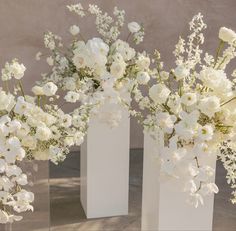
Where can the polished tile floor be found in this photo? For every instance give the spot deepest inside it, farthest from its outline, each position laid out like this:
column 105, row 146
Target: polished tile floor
column 66, row 214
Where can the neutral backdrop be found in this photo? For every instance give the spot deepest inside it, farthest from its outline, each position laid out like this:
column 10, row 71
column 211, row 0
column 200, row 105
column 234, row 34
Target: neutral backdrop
column 23, row 22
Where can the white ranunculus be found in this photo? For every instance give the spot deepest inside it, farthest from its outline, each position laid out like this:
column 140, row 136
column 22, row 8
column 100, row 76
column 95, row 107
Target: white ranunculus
column 50, row 89
column 50, row 61
column 227, row 35
column 65, row 120
column 189, row 99
column 181, row 72
column 74, row 30
column 72, row 97
column 37, row 90
column 117, row 69
column 209, row 105
column 143, row 62
column 159, row 93
column 17, row 70
column 205, row 132
column 98, row 48
column 70, row 83
column 78, row 138
column 7, row 101
column 43, row 133
column 143, row 77
column 134, row 27
column 124, row 49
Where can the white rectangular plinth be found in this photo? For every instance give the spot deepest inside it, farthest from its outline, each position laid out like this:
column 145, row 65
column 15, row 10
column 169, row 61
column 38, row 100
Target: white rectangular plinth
column 105, row 168
column 164, row 206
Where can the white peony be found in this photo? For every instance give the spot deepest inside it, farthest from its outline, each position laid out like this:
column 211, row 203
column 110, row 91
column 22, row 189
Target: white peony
column 216, row 80
column 134, row 27
column 189, row 99
column 50, row 89
column 159, row 93
column 143, row 77
column 227, row 35
column 209, row 105
column 74, row 30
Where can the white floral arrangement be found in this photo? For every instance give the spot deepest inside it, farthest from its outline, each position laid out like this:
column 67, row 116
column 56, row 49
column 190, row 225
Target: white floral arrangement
column 32, row 129
column 191, row 113
column 97, row 71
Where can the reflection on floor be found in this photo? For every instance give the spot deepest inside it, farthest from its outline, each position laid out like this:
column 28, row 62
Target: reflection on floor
column 67, row 213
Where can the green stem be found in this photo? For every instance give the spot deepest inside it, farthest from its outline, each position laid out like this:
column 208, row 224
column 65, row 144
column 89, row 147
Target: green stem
column 21, row 88
column 228, row 101
column 220, row 47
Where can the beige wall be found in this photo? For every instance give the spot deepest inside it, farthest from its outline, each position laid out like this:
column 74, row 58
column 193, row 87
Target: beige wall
column 22, row 23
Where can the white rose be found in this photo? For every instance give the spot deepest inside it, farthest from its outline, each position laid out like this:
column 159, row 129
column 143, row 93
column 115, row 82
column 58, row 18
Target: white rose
column 17, row 70
column 50, row 89
column 74, row 30
column 209, row 105
column 181, row 72
column 72, row 97
column 227, row 35
column 43, row 133
column 159, row 93
column 189, row 99
column 143, row 77
column 37, row 90
column 134, row 27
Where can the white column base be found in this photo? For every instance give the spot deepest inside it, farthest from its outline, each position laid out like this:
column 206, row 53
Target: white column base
column 164, row 206
column 105, row 168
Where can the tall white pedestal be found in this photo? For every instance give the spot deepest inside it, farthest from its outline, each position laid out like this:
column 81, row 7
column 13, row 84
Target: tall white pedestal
column 164, row 206
column 105, row 168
